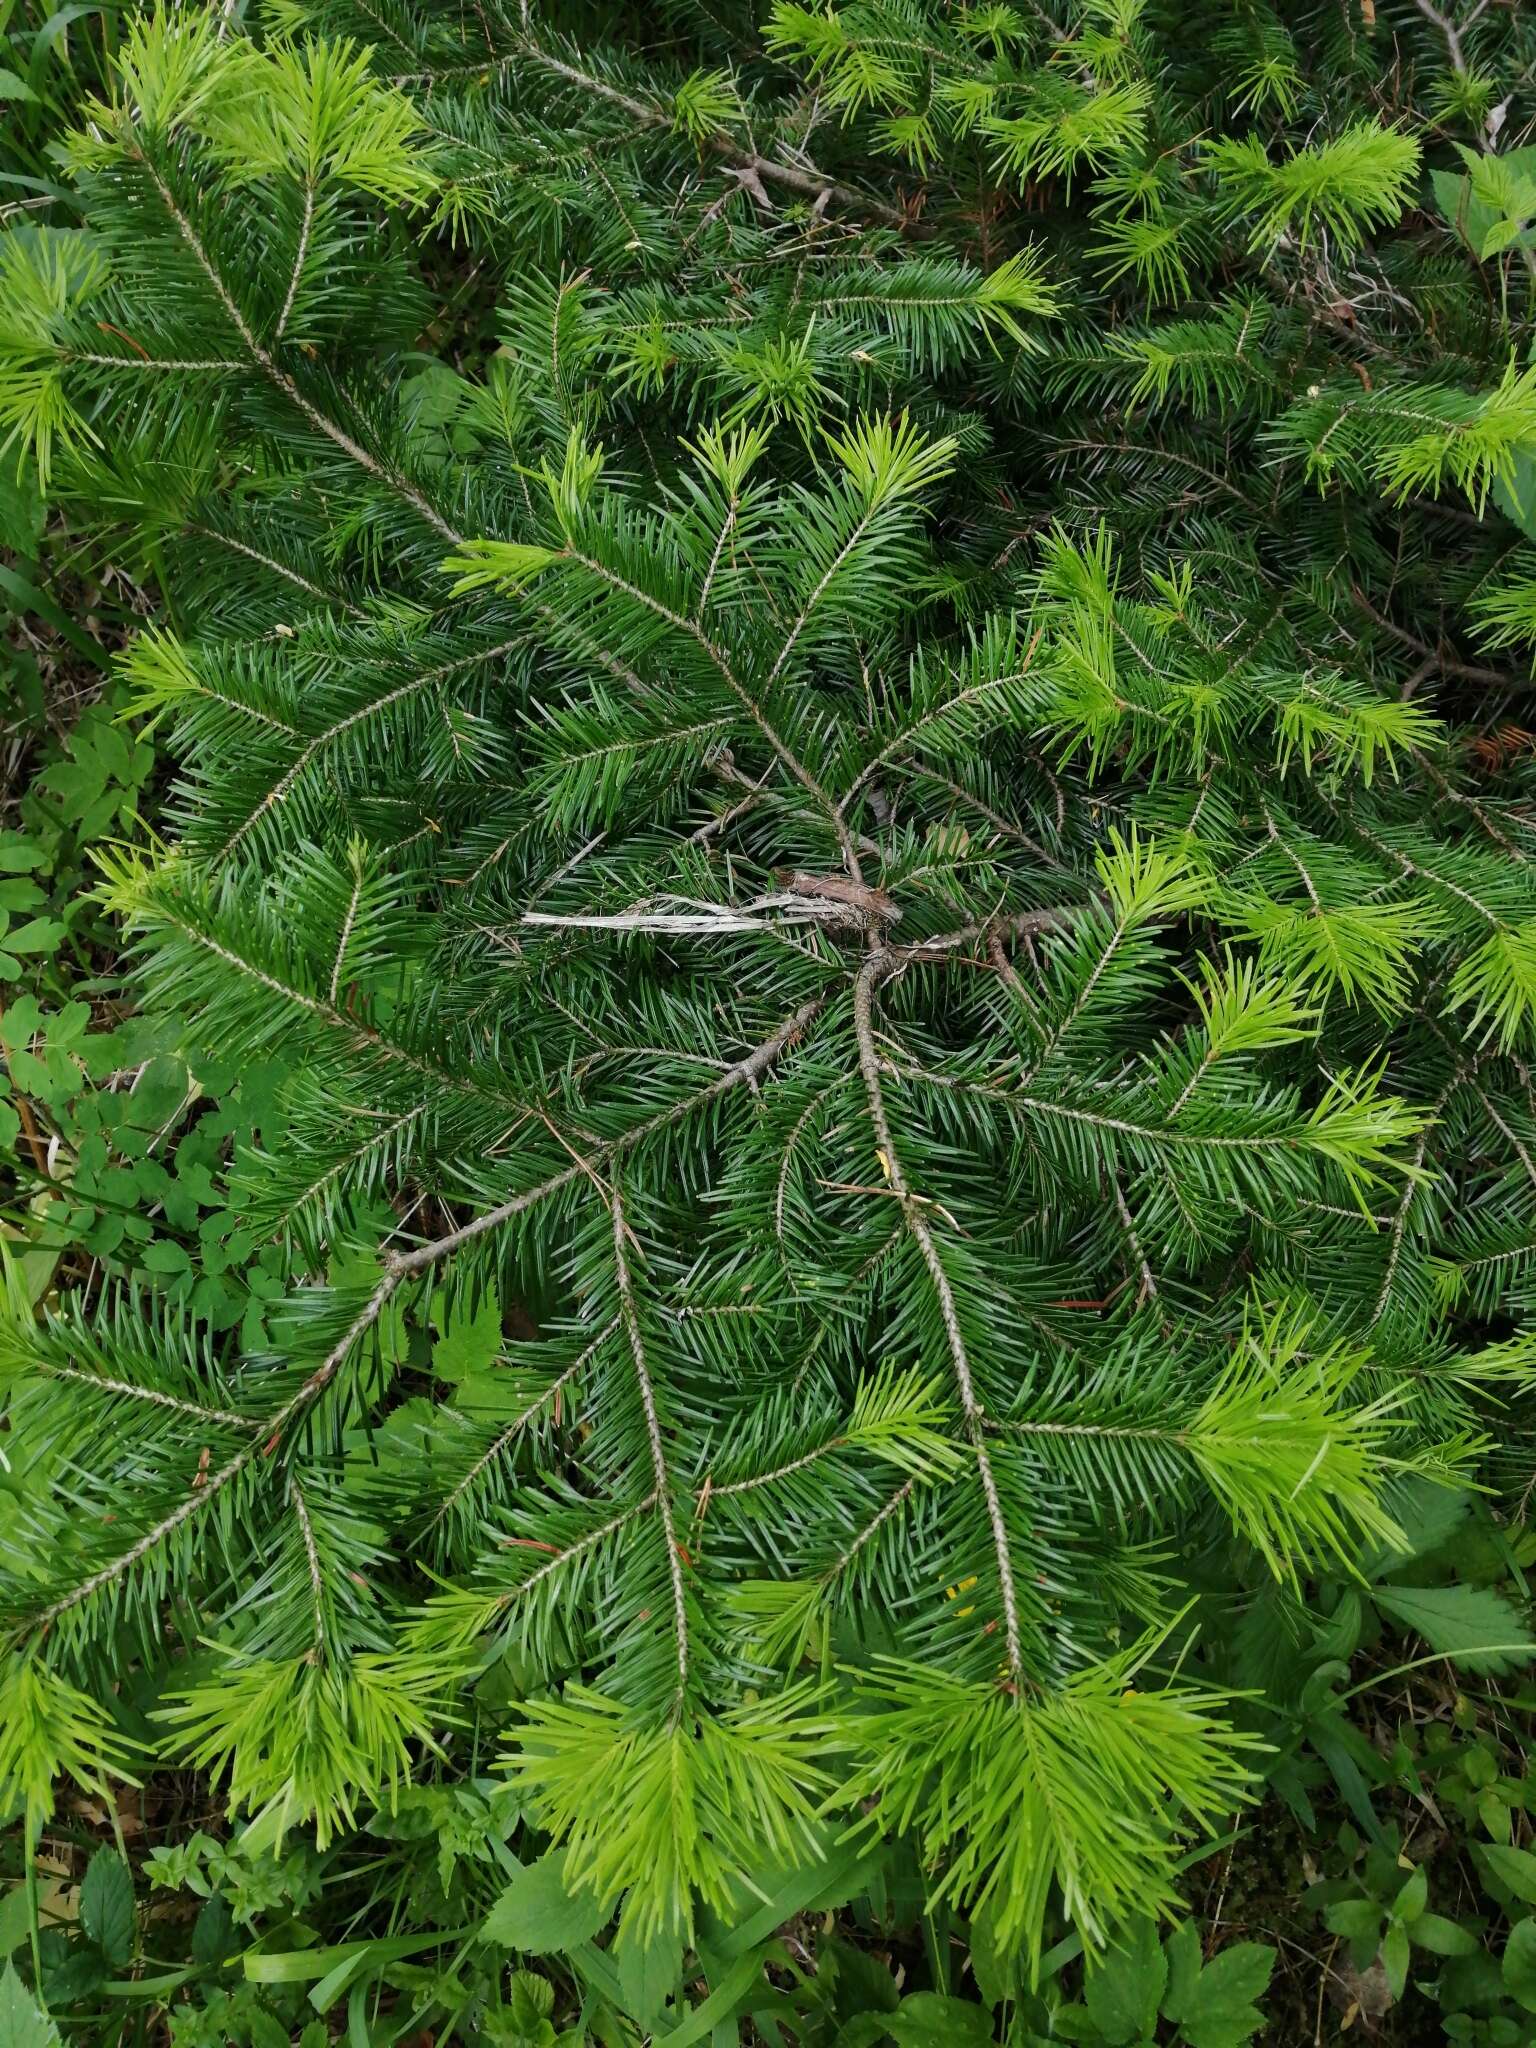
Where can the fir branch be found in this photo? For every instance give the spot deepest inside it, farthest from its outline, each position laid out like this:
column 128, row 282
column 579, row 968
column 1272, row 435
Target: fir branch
column 289, row 575
column 662, row 1495
column 265, row 1440
column 298, row 265
column 155, row 1397
column 876, row 966
column 808, row 182
column 745, row 1071
column 498, row 1446
column 280, row 379
column 312, row 1559
column 314, row 748
column 768, row 500
column 739, row 690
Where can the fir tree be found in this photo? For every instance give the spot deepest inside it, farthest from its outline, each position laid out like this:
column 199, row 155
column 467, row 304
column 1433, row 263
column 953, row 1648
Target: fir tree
column 889, row 859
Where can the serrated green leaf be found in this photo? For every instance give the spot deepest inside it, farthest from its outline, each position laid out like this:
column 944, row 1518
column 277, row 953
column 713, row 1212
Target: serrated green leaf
column 1217, row 2008
column 1515, row 1868
column 1123, row 1989
column 1409, row 1903
column 649, row 1973
column 929, row 2020
column 469, row 1343
column 1354, row 1919
column 536, row 1914
column 106, row 1906
column 1519, row 1965
column 37, row 935
column 1443, row 1937
column 15, row 1919
column 22, row 2023
column 165, row 1255
column 1515, row 492
column 1473, row 1625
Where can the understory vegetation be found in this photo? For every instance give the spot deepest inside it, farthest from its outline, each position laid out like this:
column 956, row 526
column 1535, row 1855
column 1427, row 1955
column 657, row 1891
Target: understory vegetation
column 767, row 999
